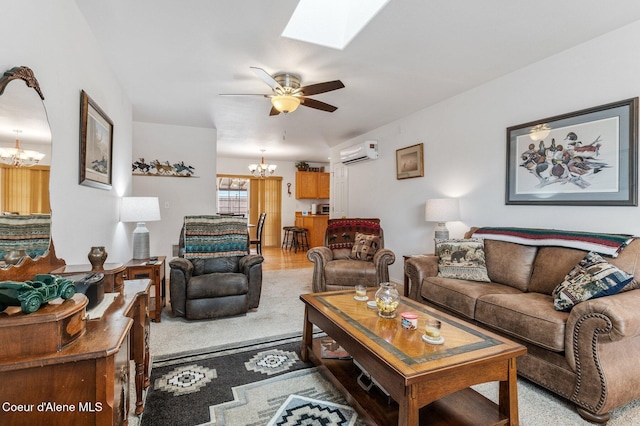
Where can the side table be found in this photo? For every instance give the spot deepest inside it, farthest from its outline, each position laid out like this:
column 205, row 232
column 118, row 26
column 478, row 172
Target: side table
column 136, row 269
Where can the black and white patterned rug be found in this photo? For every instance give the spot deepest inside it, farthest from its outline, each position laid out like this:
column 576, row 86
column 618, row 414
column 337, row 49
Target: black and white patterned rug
column 255, row 384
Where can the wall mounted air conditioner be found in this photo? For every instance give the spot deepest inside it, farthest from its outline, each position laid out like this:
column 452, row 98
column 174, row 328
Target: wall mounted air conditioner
column 363, row 151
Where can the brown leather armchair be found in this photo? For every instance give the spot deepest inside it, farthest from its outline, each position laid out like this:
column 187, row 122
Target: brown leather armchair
column 214, row 286
column 337, row 265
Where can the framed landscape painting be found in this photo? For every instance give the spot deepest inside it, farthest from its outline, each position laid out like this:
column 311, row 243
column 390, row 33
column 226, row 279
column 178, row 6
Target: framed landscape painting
column 587, row 157
column 96, row 144
column 410, row 162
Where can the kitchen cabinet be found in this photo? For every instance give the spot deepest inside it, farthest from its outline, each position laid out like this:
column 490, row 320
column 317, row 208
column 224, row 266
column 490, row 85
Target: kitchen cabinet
column 312, row 185
column 315, row 224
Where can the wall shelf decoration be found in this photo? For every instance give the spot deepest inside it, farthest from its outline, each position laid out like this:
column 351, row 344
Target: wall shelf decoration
column 162, row 168
column 586, row 157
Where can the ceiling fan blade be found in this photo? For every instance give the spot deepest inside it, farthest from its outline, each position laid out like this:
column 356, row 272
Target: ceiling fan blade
column 244, row 94
column 271, row 82
column 312, row 103
column 314, row 89
column 273, row 111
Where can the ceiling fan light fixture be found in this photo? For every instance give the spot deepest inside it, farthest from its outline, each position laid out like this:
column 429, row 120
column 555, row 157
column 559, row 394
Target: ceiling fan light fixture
column 285, row 103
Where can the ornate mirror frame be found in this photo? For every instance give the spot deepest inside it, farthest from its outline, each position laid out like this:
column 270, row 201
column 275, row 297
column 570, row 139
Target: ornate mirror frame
column 27, row 267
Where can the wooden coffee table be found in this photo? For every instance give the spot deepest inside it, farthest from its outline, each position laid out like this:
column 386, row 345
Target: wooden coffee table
column 429, row 383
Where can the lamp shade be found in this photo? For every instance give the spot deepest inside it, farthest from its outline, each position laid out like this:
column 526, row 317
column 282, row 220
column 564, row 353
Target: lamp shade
column 442, row 210
column 139, row 209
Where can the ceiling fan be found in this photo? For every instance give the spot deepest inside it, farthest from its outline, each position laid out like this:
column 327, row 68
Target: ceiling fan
column 288, row 95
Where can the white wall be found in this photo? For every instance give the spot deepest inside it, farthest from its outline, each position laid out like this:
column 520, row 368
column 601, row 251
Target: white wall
column 178, row 197
column 285, row 169
column 465, row 148
column 52, row 38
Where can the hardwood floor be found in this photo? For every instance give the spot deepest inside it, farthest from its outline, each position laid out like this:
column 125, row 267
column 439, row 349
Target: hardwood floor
column 276, row 258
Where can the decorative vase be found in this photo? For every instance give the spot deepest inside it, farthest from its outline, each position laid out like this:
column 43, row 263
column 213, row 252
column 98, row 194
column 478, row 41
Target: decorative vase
column 97, row 256
column 14, row 256
column 387, row 300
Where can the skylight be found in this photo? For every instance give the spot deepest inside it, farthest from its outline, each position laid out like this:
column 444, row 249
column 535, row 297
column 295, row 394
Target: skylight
column 331, row 23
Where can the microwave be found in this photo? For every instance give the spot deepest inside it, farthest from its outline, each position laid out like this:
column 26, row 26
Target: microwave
column 324, row 209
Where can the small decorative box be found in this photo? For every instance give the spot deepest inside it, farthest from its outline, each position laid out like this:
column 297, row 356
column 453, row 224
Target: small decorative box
column 409, row 321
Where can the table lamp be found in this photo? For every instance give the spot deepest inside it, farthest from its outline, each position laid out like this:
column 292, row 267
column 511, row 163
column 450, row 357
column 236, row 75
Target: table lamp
column 140, row 210
column 442, row 210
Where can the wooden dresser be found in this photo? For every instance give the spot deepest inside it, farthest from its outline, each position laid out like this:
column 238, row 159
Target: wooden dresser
column 86, row 380
column 114, row 274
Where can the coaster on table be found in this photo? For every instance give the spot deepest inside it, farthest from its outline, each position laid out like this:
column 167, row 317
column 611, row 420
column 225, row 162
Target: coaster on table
column 372, row 304
column 361, row 298
column 438, row 341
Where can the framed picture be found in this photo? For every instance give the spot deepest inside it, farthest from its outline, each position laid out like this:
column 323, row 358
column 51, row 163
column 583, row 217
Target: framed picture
column 587, row 158
column 96, row 144
column 410, row 162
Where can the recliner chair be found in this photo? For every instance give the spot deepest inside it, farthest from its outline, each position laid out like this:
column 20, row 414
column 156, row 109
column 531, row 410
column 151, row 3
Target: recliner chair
column 348, row 259
column 216, row 278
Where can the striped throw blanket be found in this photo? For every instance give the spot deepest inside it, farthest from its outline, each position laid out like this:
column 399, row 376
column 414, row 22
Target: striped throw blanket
column 607, row 244
column 30, row 233
column 215, row 236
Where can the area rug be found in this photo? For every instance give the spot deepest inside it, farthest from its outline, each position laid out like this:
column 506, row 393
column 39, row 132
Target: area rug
column 255, row 384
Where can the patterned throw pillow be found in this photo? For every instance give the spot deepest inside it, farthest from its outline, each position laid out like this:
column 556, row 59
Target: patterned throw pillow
column 462, row 259
column 365, row 246
column 592, row 277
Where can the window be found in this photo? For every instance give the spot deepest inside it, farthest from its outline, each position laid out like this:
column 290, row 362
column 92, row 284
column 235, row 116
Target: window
column 233, row 195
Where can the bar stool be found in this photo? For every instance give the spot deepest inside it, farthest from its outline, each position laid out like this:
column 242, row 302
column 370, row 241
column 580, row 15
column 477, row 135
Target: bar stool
column 288, row 237
column 300, row 239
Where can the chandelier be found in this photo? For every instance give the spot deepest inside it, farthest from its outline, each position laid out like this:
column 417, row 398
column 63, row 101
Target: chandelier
column 261, row 170
column 19, row 157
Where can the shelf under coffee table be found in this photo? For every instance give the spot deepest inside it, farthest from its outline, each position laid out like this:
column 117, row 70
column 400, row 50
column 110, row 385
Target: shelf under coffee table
column 429, row 384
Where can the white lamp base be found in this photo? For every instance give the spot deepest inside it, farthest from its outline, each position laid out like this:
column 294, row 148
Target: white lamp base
column 441, row 232
column 141, row 241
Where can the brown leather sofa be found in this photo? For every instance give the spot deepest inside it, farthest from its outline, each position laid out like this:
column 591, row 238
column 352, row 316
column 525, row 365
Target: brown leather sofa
column 588, row 355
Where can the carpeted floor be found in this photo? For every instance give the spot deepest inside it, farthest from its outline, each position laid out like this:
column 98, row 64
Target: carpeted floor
column 281, row 313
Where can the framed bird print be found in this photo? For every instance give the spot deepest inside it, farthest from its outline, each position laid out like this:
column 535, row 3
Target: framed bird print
column 96, row 144
column 587, row 157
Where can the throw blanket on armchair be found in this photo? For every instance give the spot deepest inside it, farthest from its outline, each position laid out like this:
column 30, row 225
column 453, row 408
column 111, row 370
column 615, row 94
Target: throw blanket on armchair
column 341, row 232
column 215, row 236
column 608, row 244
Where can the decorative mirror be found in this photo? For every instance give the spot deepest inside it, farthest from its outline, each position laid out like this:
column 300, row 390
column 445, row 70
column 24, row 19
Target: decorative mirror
column 25, row 154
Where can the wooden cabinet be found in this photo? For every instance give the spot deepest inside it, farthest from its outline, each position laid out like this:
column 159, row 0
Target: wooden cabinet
column 315, row 224
column 313, row 185
column 114, row 274
column 324, row 185
column 85, row 382
column 139, row 269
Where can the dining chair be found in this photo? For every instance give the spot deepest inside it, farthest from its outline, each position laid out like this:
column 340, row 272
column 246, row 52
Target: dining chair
column 259, row 231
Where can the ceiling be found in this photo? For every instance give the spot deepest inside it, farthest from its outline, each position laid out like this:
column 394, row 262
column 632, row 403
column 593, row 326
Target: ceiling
column 174, row 59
